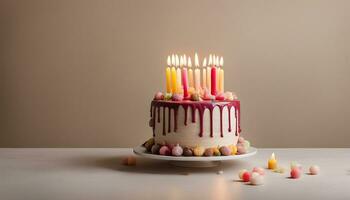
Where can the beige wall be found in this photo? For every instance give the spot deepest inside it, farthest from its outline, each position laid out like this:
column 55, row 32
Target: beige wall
column 82, row 73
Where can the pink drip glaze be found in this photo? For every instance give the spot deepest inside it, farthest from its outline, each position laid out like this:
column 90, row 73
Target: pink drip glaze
column 195, row 105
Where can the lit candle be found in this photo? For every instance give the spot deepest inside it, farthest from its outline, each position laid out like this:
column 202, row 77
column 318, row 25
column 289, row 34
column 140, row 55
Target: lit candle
column 173, row 75
column 190, row 72
column 204, row 75
column 272, row 163
column 184, row 76
column 217, row 72
column 213, row 78
column 221, row 75
column 178, row 75
column 208, row 72
column 197, row 73
column 168, row 76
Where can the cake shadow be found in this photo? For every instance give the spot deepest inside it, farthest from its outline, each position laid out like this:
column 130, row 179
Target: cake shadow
column 149, row 166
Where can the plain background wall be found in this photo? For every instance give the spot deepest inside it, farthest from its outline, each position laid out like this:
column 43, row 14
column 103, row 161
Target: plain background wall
column 81, row 73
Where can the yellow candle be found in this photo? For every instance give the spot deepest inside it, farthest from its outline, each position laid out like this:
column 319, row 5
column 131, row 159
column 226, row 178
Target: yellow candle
column 178, row 75
column 190, row 73
column 168, row 76
column 204, row 75
column 173, row 75
column 272, row 163
column 221, row 76
column 197, row 74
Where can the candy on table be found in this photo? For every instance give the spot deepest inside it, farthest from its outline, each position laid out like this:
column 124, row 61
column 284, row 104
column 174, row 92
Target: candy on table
column 216, row 151
column 225, row 151
column 159, row 96
column 129, row 161
column 209, row 152
column 241, row 172
column 295, row 173
column 233, row 149
column 272, row 163
column 187, row 151
column 177, row 150
column 256, row 179
column 168, row 96
column 246, row 176
column 314, row 170
column 155, row 149
column 220, row 172
column 177, row 97
column 241, row 148
column 165, row 151
column 198, row 151
column 259, row 170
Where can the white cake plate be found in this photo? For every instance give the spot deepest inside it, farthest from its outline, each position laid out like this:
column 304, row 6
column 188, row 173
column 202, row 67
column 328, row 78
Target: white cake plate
column 193, row 161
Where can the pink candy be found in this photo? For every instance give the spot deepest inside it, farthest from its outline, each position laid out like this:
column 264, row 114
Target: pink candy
column 159, row 96
column 295, row 173
column 246, row 176
column 177, row 150
column 314, row 170
column 259, row 170
column 165, row 151
column 177, row 97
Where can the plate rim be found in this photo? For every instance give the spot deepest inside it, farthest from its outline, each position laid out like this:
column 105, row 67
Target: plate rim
column 141, row 151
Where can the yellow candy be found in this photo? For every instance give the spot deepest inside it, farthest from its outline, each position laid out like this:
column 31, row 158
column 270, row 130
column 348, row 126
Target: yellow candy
column 233, row 149
column 216, row 151
column 198, row 151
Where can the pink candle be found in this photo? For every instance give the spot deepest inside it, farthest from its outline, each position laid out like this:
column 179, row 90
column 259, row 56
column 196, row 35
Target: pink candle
column 213, row 80
column 185, row 81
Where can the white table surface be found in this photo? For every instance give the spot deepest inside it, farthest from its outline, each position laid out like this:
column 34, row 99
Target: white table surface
column 97, row 174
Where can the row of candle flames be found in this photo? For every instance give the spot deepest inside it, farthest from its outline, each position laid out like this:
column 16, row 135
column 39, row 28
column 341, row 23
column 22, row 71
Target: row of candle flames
column 180, row 80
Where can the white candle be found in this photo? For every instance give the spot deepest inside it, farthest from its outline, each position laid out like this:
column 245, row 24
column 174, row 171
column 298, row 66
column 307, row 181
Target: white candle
column 204, row 75
column 221, row 75
column 197, row 75
column 190, row 72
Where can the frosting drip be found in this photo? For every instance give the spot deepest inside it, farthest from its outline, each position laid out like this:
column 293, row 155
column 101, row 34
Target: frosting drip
column 201, row 106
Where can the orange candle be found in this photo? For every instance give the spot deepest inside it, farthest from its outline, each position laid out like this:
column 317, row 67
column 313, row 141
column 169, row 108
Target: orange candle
column 272, row 163
column 168, row 76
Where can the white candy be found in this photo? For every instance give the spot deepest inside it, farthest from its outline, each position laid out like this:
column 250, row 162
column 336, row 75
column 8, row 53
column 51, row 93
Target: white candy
column 240, row 174
column 314, row 170
column 220, row 172
column 256, row 179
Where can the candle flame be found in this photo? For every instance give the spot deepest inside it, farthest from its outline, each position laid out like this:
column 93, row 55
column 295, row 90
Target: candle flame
column 181, row 61
column 185, row 60
column 210, row 60
column 172, row 59
column 189, row 63
column 169, row 61
column 273, row 156
column 204, row 62
column 217, row 60
column 176, row 60
column 196, row 61
column 214, row 59
column 221, row 61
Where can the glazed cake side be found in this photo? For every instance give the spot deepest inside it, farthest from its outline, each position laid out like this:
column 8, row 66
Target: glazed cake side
column 190, row 123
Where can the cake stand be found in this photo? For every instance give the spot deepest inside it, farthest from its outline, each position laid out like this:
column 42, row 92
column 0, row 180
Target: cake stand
column 193, row 161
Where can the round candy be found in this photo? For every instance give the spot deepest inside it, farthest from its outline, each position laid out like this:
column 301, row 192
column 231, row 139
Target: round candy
column 177, row 97
column 148, row 144
column 240, row 173
column 314, row 170
column 225, row 151
column 246, row 176
column 241, row 148
column 241, row 140
column 233, row 149
column 168, row 96
column 129, row 161
column 209, row 152
column 256, row 179
column 198, row 151
column 216, row 151
column 195, row 97
column 159, row 96
column 259, row 170
column 295, row 173
column 155, row 149
column 177, row 150
column 165, row 151
column 171, row 146
column 187, row 152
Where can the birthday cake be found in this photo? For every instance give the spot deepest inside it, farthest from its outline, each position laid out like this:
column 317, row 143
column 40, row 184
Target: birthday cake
column 195, row 117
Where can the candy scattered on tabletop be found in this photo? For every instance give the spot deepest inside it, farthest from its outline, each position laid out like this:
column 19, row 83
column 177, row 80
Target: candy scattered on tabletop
column 257, row 179
column 159, row 96
column 220, row 172
column 177, row 150
column 240, row 173
column 314, row 170
column 198, row 151
column 155, row 149
column 165, row 151
column 209, row 152
column 246, row 176
column 295, row 173
column 187, row 152
column 225, row 151
column 129, row 161
column 259, row 170
column 272, row 163
column 177, row 97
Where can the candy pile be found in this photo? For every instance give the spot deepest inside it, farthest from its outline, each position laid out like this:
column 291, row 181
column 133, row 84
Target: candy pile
column 177, row 150
column 202, row 94
column 255, row 177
